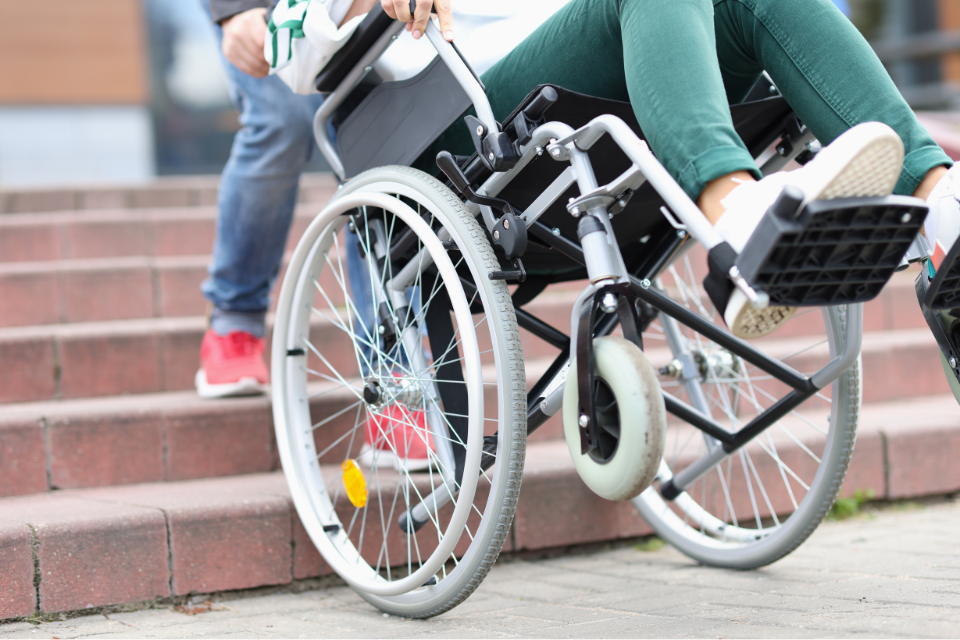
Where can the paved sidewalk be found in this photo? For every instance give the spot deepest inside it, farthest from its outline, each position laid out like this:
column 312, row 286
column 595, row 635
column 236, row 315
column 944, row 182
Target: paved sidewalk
column 895, row 572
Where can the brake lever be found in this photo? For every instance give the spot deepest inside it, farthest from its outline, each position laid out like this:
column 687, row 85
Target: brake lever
column 450, row 169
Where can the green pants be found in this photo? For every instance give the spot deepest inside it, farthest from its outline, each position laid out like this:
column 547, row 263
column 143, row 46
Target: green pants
column 681, row 62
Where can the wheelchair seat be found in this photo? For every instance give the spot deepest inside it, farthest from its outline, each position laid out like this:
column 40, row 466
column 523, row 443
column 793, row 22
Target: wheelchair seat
column 394, row 122
column 758, row 123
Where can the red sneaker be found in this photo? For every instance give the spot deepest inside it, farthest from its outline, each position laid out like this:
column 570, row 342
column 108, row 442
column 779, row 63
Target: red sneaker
column 231, row 365
column 397, row 437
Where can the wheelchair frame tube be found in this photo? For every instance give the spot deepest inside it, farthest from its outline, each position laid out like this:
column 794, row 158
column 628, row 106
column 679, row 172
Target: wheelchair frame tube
column 336, row 98
column 644, row 290
column 734, row 441
column 493, row 185
column 463, row 74
column 639, row 153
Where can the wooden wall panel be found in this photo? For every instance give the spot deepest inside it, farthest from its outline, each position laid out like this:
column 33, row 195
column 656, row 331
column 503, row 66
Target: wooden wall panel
column 949, row 20
column 73, row 52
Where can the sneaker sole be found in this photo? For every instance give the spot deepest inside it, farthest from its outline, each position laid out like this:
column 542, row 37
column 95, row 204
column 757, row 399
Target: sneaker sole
column 243, row 387
column 747, row 322
column 867, row 162
column 389, row 460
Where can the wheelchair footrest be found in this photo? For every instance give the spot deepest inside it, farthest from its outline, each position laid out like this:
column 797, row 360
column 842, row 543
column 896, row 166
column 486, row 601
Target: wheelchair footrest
column 944, row 327
column 833, row 251
column 944, row 290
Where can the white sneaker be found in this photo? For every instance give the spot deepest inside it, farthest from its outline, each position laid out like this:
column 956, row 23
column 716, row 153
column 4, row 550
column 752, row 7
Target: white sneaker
column 942, row 226
column 865, row 161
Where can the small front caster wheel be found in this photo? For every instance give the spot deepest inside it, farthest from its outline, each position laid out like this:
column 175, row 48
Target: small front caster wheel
column 630, row 437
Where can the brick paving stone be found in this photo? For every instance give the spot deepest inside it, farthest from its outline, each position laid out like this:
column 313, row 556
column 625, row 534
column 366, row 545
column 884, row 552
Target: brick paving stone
column 551, row 493
column 29, row 294
column 219, row 540
column 161, row 196
column 184, row 235
column 103, row 199
column 179, row 346
column 108, row 360
column 92, row 450
column 178, row 282
column 23, row 463
column 886, row 360
column 28, row 201
column 92, row 553
column 141, row 438
column 307, row 561
column 18, row 597
column 21, row 241
column 120, row 236
column 29, row 367
column 106, row 290
column 918, row 462
column 218, row 439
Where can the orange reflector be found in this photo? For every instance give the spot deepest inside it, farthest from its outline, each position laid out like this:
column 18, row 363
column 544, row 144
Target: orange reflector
column 355, row 483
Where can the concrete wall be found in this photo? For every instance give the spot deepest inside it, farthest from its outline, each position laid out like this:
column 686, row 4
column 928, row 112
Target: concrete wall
column 74, row 89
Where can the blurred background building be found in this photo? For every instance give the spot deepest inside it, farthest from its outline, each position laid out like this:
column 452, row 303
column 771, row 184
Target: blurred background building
column 120, row 91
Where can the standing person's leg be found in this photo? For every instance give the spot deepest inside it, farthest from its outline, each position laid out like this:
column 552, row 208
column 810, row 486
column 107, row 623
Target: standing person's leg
column 256, row 200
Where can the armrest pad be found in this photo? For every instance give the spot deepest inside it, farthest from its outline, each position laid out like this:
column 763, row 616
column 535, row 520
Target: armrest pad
column 371, row 28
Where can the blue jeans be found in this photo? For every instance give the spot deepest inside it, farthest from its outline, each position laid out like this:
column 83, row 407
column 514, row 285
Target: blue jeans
column 258, row 193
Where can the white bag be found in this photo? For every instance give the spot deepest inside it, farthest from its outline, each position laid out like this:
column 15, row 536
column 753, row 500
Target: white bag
column 302, row 37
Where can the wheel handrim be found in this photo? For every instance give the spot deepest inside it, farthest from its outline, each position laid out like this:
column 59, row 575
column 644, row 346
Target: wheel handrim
column 735, row 394
column 337, row 546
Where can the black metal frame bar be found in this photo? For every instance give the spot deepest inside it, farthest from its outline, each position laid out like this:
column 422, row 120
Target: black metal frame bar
column 802, row 386
column 784, row 373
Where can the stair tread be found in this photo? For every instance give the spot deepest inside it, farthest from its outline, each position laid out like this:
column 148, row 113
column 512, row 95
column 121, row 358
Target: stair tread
column 937, row 413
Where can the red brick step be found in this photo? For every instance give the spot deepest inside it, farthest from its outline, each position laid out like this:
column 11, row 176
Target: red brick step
column 110, row 545
column 161, row 354
column 77, row 235
column 179, row 191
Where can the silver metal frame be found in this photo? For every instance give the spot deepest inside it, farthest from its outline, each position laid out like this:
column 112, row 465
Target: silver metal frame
column 604, row 262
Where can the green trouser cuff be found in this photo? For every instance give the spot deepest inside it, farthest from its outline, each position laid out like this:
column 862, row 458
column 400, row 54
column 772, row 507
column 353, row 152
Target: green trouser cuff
column 916, row 165
column 715, row 163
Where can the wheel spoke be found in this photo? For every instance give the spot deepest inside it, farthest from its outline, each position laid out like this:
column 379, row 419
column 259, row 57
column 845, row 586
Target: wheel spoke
column 756, row 492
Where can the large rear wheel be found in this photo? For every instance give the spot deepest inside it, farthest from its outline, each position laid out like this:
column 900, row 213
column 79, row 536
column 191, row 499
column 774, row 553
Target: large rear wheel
column 399, row 392
column 762, row 501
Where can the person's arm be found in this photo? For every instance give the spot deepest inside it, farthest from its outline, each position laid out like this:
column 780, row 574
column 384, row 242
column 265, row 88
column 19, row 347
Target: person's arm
column 243, row 37
column 244, row 34
column 221, row 10
column 417, row 23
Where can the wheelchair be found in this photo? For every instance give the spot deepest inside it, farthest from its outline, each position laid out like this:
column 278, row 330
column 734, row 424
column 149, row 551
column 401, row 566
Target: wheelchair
column 732, row 450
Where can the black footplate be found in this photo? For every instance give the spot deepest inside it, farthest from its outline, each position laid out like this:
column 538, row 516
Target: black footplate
column 944, row 290
column 832, row 251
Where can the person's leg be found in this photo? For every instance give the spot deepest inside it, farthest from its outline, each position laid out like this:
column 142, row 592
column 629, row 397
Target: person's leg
column 257, row 195
column 258, row 192
column 662, row 57
column 826, row 71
